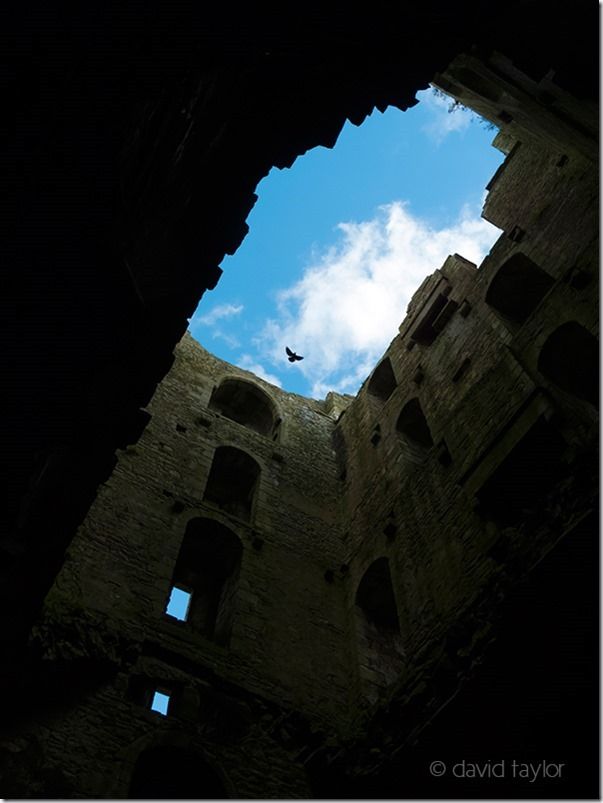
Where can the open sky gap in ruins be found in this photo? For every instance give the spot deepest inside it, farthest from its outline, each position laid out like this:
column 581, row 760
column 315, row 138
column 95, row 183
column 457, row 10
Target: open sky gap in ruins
column 339, row 242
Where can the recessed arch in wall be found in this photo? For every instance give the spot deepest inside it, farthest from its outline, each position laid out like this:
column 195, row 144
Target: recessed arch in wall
column 570, row 359
column 526, row 476
column 517, row 288
column 382, row 383
column 379, row 641
column 413, row 431
column 208, row 567
column 247, row 404
column 233, row 481
column 170, row 772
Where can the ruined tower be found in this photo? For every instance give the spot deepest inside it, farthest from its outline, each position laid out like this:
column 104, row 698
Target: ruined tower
column 369, row 580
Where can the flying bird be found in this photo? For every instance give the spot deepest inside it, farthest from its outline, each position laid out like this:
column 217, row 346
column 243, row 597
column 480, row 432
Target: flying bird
column 291, row 355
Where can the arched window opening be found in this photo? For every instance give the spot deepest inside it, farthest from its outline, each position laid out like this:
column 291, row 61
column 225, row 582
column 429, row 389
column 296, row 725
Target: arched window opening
column 383, row 382
column 570, row 359
column 518, row 287
column 413, row 429
column 166, row 772
column 521, row 483
column 378, row 628
column 433, row 319
column 232, row 481
column 246, row 404
column 376, row 435
column 208, row 566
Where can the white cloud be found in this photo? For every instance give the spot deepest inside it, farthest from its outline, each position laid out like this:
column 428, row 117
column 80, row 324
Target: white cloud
column 229, row 339
column 446, row 117
column 217, row 314
column 344, row 311
column 249, row 363
column 212, row 318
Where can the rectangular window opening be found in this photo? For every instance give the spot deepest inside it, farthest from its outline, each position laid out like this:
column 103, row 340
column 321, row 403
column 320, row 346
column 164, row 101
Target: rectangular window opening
column 425, row 332
column 160, row 702
column 179, row 603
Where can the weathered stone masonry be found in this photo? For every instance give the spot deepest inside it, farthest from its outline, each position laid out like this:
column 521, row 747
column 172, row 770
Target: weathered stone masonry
column 364, row 533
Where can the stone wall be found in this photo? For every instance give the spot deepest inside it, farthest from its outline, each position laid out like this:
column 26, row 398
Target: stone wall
column 288, row 643
column 480, row 390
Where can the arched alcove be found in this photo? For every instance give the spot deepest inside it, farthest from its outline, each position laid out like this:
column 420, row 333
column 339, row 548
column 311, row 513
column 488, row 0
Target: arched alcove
column 232, row 481
column 413, row 429
column 382, row 382
column 247, row 404
column 207, row 568
column 517, row 288
column 377, row 625
column 166, row 772
column 521, row 483
column 570, row 359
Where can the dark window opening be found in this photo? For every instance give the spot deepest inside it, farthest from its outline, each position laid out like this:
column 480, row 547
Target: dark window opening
column 383, row 382
column 232, row 481
column 444, row 456
column 570, row 359
column 246, row 404
column 464, row 309
column 577, row 278
column 419, row 375
column 526, row 476
column 170, row 773
column 518, row 288
column 375, row 596
column 390, row 531
column 516, row 234
column 276, row 430
column 445, row 315
column 207, row 570
column 380, row 646
column 461, row 370
column 412, row 425
column 426, row 333
column 376, row 436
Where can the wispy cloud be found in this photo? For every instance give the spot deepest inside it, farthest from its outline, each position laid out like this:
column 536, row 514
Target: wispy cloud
column 445, row 116
column 250, row 363
column 208, row 324
column 344, row 311
column 230, row 339
column 218, row 313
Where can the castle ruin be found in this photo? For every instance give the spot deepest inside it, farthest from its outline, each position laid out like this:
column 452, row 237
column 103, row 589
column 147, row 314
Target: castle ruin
column 351, row 566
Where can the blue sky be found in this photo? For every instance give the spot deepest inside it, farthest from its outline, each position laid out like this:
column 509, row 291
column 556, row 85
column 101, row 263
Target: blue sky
column 339, row 242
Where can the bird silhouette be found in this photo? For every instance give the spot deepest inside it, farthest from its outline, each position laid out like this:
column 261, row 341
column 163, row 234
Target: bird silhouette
column 291, row 355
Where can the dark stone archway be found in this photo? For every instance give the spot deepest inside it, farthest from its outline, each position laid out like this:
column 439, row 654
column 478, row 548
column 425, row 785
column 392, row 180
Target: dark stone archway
column 171, row 773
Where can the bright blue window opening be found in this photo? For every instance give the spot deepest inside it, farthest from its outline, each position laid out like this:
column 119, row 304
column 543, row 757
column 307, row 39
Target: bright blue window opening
column 160, row 702
column 179, row 603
